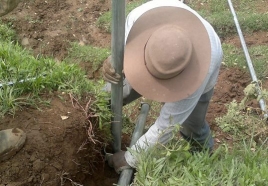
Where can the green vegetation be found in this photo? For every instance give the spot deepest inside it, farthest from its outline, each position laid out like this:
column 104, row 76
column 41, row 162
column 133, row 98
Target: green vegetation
column 6, row 34
column 174, row 165
column 23, row 78
column 235, row 57
column 249, row 22
column 218, row 13
column 31, row 76
column 242, row 163
column 87, row 54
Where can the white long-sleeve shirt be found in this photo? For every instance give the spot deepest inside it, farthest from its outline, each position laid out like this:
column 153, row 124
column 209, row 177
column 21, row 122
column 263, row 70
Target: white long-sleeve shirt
column 177, row 112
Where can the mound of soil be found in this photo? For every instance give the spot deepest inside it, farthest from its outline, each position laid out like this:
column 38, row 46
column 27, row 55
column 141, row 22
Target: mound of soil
column 58, row 150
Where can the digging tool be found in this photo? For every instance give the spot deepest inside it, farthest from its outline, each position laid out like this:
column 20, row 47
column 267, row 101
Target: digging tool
column 126, row 175
column 249, row 62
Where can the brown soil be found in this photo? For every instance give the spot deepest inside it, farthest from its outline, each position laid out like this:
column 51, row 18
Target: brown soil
column 57, row 151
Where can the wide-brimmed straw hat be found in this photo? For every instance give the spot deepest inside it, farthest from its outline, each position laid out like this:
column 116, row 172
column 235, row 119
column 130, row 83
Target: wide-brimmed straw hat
column 167, row 54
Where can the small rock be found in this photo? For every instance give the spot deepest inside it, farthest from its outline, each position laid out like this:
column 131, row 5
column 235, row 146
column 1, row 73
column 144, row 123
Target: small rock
column 57, row 165
column 81, row 43
column 25, row 41
column 16, row 170
column 38, row 165
column 32, row 158
column 30, row 179
column 45, row 177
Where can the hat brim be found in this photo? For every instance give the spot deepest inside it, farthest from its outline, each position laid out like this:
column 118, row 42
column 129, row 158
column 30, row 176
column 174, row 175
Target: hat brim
column 190, row 79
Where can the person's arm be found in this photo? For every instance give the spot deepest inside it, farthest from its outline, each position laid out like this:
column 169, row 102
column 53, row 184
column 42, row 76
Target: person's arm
column 161, row 131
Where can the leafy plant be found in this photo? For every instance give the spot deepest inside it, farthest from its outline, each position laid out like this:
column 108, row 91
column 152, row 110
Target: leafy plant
column 241, row 120
column 173, row 165
column 101, row 105
column 9, row 100
column 6, row 33
column 218, row 13
column 87, row 54
column 233, row 122
column 30, row 76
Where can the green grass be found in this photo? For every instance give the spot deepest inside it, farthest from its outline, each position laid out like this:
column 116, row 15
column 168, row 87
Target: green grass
column 235, row 57
column 17, row 64
column 244, row 163
column 174, row 165
column 24, row 78
column 87, row 54
column 249, row 22
column 7, row 34
column 260, row 60
column 241, row 121
column 217, row 12
column 30, row 76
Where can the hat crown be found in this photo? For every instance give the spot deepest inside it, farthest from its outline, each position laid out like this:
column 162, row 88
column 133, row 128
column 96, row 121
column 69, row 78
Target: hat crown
column 167, row 52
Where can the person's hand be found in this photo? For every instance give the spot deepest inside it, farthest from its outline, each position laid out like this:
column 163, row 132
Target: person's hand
column 109, row 73
column 118, row 161
column 7, row 6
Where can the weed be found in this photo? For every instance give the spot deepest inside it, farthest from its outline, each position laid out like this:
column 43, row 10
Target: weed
column 88, row 54
column 240, row 120
column 234, row 57
column 217, row 12
column 104, row 21
column 9, row 102
column 29, row 75
column 101, row 106
column 260, row 60
column 174, row 165
column 233, row 122
column 6, row 33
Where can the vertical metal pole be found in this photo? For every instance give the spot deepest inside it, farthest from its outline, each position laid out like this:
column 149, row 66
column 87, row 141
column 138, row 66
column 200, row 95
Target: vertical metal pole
column 118, row 43
column 249, row 62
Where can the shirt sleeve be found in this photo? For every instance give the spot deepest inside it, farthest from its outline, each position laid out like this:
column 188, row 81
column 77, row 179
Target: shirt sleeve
column 175, row 113
column 161, row 131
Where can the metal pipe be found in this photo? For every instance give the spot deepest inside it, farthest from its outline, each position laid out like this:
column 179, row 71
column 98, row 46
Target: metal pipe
column 21, row 81
column 126, row 175
column 118, row 43
column 249, row 62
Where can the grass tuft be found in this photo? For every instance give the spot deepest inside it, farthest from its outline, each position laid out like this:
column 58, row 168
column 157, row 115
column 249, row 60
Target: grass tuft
column 173, row 165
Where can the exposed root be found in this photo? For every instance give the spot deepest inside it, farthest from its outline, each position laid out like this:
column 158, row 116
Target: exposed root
column 88, row 115
column 64, row 178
